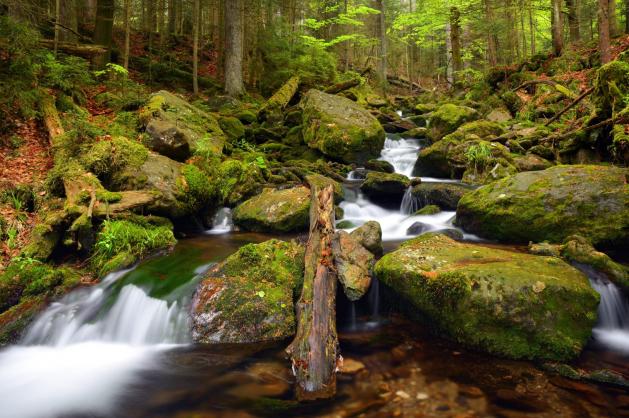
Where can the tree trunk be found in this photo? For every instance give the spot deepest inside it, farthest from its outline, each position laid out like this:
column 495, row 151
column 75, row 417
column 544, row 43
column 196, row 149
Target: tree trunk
column 532, row 29
column 314, row 350
column 557, row 27
column 272, row 109
column 382, row 34
column 57, row 21
column 492, row 42
column 103, row 30
column 603, row 31
column 613, row 25
column 195, row 47
column 68, row 17
column 233, row 48
column 573, row 20
column 127, row 31
column 627, row 16
column 455, row 35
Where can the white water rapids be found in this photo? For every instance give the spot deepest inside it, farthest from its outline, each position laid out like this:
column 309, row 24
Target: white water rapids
column 78, row 356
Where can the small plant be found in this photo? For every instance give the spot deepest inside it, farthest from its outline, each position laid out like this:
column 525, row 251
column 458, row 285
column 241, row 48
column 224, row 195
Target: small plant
column 260, row 162
column 12, row 233
column 479, row 155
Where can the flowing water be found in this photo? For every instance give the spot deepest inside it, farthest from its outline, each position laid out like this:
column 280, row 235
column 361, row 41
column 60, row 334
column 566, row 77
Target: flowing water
column 122, row 348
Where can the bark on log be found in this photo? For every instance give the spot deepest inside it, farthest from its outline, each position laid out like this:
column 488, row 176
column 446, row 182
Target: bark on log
column 571, row 105
column 339, row 87
column 273, row 107
column 81, row 50
column 314, row 350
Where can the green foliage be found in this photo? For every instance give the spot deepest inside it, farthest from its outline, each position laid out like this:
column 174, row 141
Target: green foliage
column 479, row 155
column 126, row 237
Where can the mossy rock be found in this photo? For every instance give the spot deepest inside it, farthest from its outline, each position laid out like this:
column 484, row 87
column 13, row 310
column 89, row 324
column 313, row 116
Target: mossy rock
column 550, row 205
column 385, row 186
column 447, row 118
column 432, row 161
column 275, row 211
column 531, row 162
column 505, row 303
column 340, row 129
column 232, row 127
column 444, row 195
column 380, row 166
column 246, row 116
column 177, row 129
column 238, row 181
column 249, row 297
column 428, row 210
column 482, row 129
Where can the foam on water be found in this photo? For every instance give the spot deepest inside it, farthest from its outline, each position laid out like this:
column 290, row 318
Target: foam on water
column 400, row 153
column 223, row 223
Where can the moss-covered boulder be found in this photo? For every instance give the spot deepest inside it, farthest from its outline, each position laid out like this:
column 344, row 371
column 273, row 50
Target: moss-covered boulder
column 531, row 162
column 232, row 127
column 249, row 296
column 353, row 264
column 432, row 161
column 447, row 118
column 385, row 187
column 239, row 180
column 275, row 211
column 505, row 303
column 380, row 165
column 444, row 195
column 340, row 128
column 176, row 128
column 587, row 200
column 369, row 235
column 26, row 286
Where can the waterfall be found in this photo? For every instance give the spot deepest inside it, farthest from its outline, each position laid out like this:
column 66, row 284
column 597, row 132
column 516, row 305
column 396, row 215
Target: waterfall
column 401, row 153
column 374, row 299
column 612, row 328
column 410, row 204
column 222, row 223
column 82, row 352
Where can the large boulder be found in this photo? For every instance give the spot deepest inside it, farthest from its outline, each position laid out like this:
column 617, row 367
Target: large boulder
column 505, row 303
column 385, row 187
column 447, row 118
column 587, row 200
column 353, row 265
column 444, row 195
column 249, row 296
column 177, row 129
column 285, row 210
column 340, row 128
column 369, row 235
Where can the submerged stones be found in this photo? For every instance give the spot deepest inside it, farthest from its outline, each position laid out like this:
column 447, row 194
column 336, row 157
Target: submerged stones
column 505, row 303
column 340, row 128
column 588, row 200
column 249, row 296
column 275, row 211
column 176, row 128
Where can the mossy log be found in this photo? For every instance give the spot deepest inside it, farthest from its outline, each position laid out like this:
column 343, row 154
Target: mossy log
column 339, row 87
column 164, row 72
column 273, row 107
column 314, row 350
column 81, row 50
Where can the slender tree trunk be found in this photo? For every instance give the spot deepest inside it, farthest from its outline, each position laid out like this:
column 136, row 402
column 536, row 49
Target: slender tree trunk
column 455, row 35
column 57, row 27
column 573, row 20
column 127, row 32
column 171, row 17
column 532, row 28
column 603, row 31
column 103, row 30
column 68, row 17
column 195, row 47
column 613, row 24
column 627, row 16
column 492, row 45
column 382, row 34
column 557, row 27
column 233, row 48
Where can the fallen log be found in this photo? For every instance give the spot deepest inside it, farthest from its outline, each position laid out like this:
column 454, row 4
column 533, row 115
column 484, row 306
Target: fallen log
column 81, row 50
column 272, row 109
column 314, row 350
column 571, row 105
column 345, row 85
column 404, row 83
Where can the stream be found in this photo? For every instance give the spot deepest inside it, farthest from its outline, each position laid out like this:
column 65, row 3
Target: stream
column 122, row 348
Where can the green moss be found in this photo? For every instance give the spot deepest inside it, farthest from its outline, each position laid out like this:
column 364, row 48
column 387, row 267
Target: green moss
column 447, row 118
column 428, row 210
column 250, row 295
column 232, row 127
column 505, row 303
column 275, row 211
column 122, row 242
column 198, row 190
column 105, row 158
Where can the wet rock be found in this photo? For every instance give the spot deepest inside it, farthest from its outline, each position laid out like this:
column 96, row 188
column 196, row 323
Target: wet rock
column 380, row 166
column 353, row 264
column 385, row 186
column 275, row 211
column 417, row 133
column 447, row 118
column 345, row 224
column 369, row 235
column 428, row 210
column 399, row 126
column 550, row 205
column 499, row 115
column 444, row 195
column 543, row 151
column 531, row 162
column 175, row 127
column 351, row 366
column 455, row 234
column 417, row 228
column 249, row 296
column 340, row 128
column 485, row 297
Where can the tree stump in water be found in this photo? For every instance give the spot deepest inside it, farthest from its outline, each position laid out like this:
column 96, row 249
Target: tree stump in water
column 314, row 350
